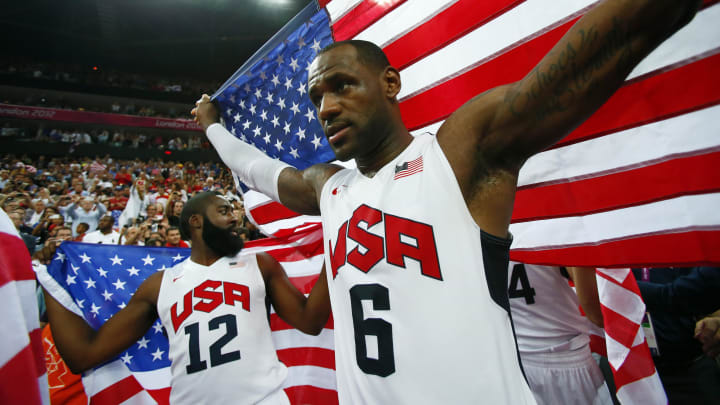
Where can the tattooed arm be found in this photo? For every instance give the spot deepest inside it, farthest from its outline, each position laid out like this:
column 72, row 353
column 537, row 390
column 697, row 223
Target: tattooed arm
column 489, row 138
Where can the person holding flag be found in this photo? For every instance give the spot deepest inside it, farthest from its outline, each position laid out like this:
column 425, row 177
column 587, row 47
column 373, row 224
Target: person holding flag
column 215, row 300
column 389, row 209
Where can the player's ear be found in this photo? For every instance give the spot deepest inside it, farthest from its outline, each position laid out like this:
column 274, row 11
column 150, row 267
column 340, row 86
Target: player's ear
column 195, row 221
column 391, row 80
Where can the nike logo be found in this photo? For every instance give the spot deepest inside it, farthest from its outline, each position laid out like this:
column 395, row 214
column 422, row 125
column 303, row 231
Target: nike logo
column 174, row 279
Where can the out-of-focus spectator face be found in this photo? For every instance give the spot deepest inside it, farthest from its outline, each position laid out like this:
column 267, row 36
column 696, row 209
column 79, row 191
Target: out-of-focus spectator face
column 151, row 211
column 64, row 233
column 78, row 188
column 105, row 224
column 177, row 208
column 11, row 205
column 39, row 206
column 56, row 219
column 82, row 228
column 16, row 219
column 173, row 236
column 86, row 204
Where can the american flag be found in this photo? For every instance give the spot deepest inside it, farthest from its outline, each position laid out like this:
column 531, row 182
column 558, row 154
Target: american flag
column 23, row 379
column 408, row 168
column 636, row 184
column 95, row 281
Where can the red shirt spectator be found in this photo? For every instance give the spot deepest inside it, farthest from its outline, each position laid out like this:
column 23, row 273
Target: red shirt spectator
column 123, row 177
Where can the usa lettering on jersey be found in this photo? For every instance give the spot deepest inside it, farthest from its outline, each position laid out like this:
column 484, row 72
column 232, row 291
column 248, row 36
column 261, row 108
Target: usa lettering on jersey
column 391, row 247
column 209, row 295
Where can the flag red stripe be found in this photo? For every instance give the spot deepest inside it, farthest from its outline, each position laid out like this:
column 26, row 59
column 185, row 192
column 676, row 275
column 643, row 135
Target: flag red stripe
column 276, row 323
column 161, row 396
column 304, row 283
column 18, row 382
column 443, row 28
column 637, row 365
column 294, row 254
column 118, row 392
column 441, row 100
column 655, row 97
column 362, row 16
column 683, row 248
column 664, row 180
column 15, row 259
column 308, row 394
column 307, row 356
column 37, row 347
column 623, row 329
column 271, row 212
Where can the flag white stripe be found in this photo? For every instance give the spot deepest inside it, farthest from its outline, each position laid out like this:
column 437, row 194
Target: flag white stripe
column 678, row 214
column 621, row 300
column 650, row 389
column 154, row 379
column 97, row 380
column 14, row 335
column 402, row 19
column 338, row 8
column 699, row 37
column 56, row 290
column 691, row 132
column 517, row 24
column 617, row 352
column 311, row 375
column 293, row 338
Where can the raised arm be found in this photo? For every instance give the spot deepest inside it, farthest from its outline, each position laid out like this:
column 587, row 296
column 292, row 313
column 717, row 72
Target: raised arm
column 306, row 314
column 489, row 138
column 296, row 189
column 82, row 347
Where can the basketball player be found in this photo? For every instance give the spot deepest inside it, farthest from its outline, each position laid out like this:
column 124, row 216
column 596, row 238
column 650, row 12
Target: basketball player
column 416, row 237
column 553, row 338
column 229, row 292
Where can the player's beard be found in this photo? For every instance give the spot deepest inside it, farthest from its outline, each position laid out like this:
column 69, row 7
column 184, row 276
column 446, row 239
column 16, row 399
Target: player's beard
column 219, row 240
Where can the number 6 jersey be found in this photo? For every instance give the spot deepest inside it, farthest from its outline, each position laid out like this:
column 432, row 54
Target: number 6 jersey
column 221, row 349
column 418, row 291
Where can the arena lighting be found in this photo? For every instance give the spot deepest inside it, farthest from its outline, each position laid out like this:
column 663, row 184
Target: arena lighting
column 270, row 3
column 94, row 68
column 167, row 152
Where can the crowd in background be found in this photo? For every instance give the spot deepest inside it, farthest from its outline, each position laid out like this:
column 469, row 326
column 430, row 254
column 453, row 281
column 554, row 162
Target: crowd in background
column 97, row 76
column 52, row 200
column 117, row 137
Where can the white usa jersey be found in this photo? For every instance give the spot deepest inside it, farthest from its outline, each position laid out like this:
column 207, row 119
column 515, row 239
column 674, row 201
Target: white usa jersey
column 418, row 291
column 545, row 309
column 221, row 350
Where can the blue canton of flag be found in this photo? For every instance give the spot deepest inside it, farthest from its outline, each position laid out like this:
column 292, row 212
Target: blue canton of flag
column 265, row 102
column 101, row 279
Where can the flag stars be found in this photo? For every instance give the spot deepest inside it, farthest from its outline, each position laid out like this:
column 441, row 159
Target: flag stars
column 147, row 260
column 121, row 305
column 294, row 153
column 70, row 280
column 157, row 354
column 107, row 295
column 237, row 117
column 300, row 133
column 301, row 88
column 60, row 256
column 246, row 124
column 116, row 260
column 295, row 108
column 119, row 285
column 133, row 271
column 280, row 60
column 126, row 358
column 247, row 88
column 288, row 83
column 157, row 327
column 281, row 103
column 294, row 64
column 316, row 141
column 229, row 111
column 232, row 99
column 85, row 258
column 269, row 98
column 143, row 343
column 310, row 115
column 275, row 80
column 243, row 138
column 267, row 137
column 286, row 128
column 263, row 76
column 80, row 303
column 316, row 46
column 257, row 131
column 103, row 273
column 301, row 42
column 252, row 109
column 90, row 283
column 263, row 116
column 242, row 104
column 177, row 257
column 74, row 268
column 258, row 93
column 275, row 121
column 278, row 145
column 95, row 309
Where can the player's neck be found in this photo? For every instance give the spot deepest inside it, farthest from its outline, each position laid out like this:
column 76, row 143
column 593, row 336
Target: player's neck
column 202, row 254
column 391, row 146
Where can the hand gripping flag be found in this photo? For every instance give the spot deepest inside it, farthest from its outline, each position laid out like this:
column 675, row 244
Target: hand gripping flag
column 95, row 281
column 636, row 184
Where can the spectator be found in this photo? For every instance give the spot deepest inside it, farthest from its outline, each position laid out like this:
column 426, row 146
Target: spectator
column 104, row 233
column 81, row 230
column 84, row 211
column 30, row 241
column 173, row 238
